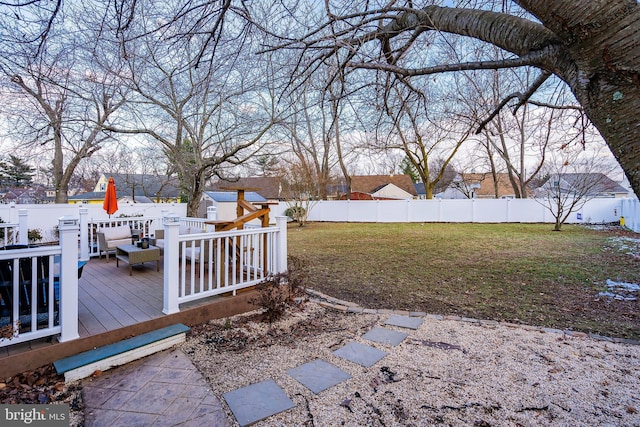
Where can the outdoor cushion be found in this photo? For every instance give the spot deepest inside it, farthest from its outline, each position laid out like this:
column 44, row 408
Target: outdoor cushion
column 117, row 233
column 187, row 229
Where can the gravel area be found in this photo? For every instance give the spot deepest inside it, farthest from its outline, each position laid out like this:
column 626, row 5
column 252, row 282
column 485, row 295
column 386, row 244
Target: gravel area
column 448, row 372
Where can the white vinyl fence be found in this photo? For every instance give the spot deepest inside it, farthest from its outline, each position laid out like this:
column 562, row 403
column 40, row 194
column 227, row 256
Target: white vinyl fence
column 45, row 217
column 471, row 210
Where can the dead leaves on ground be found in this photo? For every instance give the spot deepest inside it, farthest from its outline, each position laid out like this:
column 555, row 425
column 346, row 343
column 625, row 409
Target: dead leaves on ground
column 37, row 386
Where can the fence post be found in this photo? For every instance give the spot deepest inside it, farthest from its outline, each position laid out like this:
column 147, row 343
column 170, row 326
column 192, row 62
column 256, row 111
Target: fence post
column 473, row 210
column 23, row 227
column 171, row 263
column 84, row 234
column 281, row 245
column 68, row 227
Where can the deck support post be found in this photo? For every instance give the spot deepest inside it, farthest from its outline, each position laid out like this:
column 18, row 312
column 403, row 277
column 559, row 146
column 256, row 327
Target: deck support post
column 68, row 228
column 171, row 224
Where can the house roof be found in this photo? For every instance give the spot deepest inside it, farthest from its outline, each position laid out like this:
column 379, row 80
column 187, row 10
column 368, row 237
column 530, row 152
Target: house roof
column 598, row 183
column 151, row 186
column 232, row 196
column 485, row 182
column 33, row 194
column 371, row 183
column 91, row 195
column 268, row 186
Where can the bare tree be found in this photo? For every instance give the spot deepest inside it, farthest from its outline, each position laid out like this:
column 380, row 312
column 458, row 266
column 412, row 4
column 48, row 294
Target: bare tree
column 27, row 24
column 299, row 189
column 55, row 99
column 575, row 177
column 206, row 114
column 311, row 143
column 421, row 132
column 587, row 44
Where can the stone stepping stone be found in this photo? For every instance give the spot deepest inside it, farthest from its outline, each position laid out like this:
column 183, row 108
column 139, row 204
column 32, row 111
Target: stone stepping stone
column 318, row 375
column 405, row 321
column 257, row 401
column 361, row 354
column 385, row 336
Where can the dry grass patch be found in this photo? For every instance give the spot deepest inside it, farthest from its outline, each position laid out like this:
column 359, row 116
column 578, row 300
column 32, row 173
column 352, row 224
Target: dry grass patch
column 510, row 272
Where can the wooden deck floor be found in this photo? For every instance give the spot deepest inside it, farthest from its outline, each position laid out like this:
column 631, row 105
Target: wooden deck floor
column 110, row 299
column 113, row 306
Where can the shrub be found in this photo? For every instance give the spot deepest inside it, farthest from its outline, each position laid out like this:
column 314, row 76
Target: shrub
column 271, row 296
column 34, row 235
column 296, row 213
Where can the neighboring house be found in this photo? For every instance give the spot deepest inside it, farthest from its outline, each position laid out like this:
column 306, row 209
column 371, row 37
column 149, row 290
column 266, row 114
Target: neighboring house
column 225, row 203
column 381, row 187
column 478, row 186
column 136, row 188
column 590, row 185
column 269, row 187
column 31, row 195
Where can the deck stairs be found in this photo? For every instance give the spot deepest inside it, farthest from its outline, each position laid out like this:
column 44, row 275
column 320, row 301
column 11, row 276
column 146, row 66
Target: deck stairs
column 85, row 364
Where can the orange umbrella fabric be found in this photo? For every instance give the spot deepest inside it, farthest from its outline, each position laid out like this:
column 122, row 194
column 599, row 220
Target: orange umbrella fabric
column 110, row 198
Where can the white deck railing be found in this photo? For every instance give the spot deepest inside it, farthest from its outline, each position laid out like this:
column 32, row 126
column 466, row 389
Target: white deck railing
column 40, row 284
column 8, row 234
column 39, row 289
column 201, row 265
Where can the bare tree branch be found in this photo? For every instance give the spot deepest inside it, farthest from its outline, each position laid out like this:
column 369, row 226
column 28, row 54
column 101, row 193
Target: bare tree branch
column 533, row 59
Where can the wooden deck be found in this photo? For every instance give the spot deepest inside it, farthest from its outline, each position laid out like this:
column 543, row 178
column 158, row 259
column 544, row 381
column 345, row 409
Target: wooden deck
column 110, row 299
column 114, row 306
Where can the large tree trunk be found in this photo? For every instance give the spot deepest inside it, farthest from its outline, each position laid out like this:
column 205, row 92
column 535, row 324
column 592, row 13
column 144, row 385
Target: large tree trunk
column 603, row 40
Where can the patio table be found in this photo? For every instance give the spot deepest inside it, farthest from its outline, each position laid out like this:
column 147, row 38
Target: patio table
column 132, row 254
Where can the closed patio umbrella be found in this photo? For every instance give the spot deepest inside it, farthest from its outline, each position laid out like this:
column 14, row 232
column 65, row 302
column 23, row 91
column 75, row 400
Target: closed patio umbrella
column 110, row 198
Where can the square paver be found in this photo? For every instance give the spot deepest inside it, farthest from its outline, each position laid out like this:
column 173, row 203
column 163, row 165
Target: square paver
column 405, row 321
column 318, row 375
column 257, row 401
column 385, row 336
column 361, row 354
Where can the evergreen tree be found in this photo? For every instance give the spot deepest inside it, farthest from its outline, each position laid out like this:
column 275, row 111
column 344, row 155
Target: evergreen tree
column 15, row 172
column 407, row 168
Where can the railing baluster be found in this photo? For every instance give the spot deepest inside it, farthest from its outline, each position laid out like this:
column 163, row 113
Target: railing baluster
column 219, row 263
column 234, row 260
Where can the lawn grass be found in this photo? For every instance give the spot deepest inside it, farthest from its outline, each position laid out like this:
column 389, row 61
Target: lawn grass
column 523, row 273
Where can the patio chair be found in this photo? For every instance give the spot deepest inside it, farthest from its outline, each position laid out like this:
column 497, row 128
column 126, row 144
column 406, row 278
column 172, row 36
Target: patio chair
column 111, row 237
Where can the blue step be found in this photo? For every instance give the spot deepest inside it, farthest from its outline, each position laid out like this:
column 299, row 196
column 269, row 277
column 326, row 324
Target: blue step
column 84, row 364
